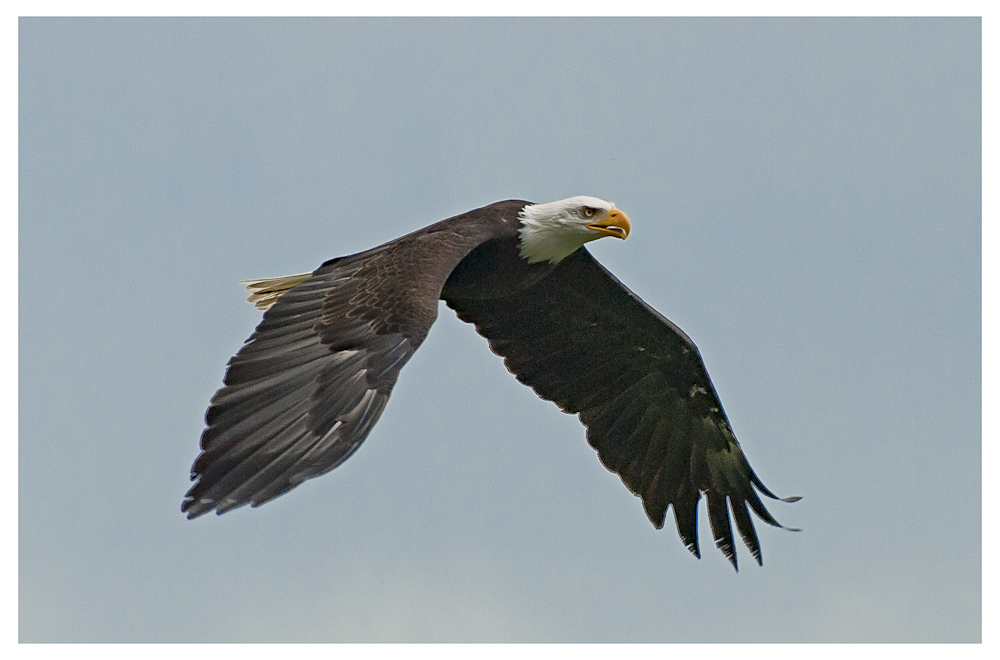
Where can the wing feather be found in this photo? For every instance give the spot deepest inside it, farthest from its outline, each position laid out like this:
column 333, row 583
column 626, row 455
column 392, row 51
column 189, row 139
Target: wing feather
column 718, row 518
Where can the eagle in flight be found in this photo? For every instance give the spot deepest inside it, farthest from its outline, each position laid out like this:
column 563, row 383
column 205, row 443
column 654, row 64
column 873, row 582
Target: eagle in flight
column 307, row 387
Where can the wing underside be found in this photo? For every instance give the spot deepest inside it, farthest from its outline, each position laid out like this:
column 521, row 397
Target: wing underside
column 581, row 339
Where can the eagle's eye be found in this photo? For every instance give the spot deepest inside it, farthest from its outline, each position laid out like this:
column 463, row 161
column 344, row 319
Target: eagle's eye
column 588, row 212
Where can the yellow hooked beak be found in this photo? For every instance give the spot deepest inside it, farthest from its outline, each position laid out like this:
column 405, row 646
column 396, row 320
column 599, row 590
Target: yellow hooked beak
column 616, row 224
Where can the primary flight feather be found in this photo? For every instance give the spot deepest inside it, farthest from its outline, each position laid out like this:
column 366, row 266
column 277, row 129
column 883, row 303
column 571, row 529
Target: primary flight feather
column 310, row 383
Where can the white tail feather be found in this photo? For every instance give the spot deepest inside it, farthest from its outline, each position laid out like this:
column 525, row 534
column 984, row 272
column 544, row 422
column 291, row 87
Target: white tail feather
column 265, row 292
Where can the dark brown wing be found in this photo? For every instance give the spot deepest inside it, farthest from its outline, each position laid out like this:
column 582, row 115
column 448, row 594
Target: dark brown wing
column 307, row 387
column 581, row 339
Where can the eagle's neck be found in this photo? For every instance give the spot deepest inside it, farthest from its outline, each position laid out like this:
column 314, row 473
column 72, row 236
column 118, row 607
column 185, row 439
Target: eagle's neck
column 548, row 233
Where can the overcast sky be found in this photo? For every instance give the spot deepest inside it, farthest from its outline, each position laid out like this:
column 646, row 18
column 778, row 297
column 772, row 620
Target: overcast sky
column 805, row 202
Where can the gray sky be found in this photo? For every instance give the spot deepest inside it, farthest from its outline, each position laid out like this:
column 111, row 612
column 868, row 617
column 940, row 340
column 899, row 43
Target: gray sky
column 805, row 200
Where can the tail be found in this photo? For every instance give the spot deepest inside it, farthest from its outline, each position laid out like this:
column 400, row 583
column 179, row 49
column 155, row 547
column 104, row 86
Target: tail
column 265, row 292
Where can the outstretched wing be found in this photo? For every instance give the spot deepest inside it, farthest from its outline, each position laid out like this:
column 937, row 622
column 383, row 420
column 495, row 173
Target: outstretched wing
column 307, row 387
column 581, row 339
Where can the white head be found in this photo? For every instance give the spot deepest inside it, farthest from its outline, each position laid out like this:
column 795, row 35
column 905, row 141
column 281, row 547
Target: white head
column 551, row 232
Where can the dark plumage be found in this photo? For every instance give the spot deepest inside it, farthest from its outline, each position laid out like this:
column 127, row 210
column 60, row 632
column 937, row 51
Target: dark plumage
column 310, row 383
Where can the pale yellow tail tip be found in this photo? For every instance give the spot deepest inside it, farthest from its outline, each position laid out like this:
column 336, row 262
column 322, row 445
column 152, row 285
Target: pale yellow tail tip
column 265, row 292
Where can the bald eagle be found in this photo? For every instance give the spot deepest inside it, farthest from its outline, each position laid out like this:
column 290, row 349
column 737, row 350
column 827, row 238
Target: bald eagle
column 308, row 386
